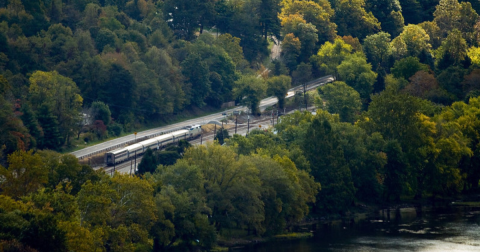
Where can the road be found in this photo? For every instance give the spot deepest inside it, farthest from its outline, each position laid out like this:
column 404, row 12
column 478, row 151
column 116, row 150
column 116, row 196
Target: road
column 122, row 141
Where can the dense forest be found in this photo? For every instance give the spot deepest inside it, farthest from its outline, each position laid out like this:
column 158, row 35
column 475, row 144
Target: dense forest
column 401, row 121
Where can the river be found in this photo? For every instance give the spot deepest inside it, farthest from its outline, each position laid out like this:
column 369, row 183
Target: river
column 434, row 229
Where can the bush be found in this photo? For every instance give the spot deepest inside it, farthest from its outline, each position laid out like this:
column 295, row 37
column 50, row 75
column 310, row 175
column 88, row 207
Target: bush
column 115, row 129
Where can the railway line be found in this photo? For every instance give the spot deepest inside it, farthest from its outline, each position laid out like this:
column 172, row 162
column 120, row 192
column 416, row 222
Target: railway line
column 130, row 166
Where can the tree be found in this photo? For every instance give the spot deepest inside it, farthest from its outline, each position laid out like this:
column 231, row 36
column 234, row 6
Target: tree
column 330, row 56
column 188, row 16
column 423, row 85
column 388, row 13
column 291, row 47
column 413, row 41
column 451, row 79
column 231, row 45
column 26, row 173
column 269, row 21
column 352, row 19
column 111, row 206
column 30, row 121
column 447, row 15
column 250, row 90
column 301, row 76
column 105, row 38
column 221, row 136
column 341, row 99
column 119, row 92
column 148, row 163
column 61, row 95
column 318, row 13
column 182, row 201
column 196, row 72
column 357, row 73
column 452, row 51
column 100, row 111
column 232, row 186
column 328, row 167
column 377, row 49
column 278, row 86
column 51, row 134
column 407, row 67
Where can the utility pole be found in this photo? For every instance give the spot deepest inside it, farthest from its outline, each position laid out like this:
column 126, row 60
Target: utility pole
column 201, row 136
column 131, row 163
column 215, row 131
column 248, row 124
column 305, row 94
column 135, row 162
column 236, row 117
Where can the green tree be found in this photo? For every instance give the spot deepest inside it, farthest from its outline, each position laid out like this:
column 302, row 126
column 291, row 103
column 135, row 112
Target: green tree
column 407, row 67
column 341, row 99
column 26, row 173
column 101, row 111
column 357, row 73
column 352, row 19
column 330, row 56
column 148, row 164
column 232, row 185
column 221, row 136
column 452, row 51
column 120, row 92
column 328, row 167
column 388, row 13
column 61, row 95
column 413, row 41
column 105, row 38
column 183, row 189
column 318, row 13
column 447, row 15
column 188, row 16
column 51, row 134
column 278, row 86
column 196, row 72
column 377, row 49
column 250, row 90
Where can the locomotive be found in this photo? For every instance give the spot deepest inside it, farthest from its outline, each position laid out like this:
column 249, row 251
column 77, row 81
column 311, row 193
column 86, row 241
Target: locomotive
column 156, row 143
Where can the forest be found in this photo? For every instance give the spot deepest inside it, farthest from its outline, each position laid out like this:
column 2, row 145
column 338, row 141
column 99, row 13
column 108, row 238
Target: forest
column 401, row 121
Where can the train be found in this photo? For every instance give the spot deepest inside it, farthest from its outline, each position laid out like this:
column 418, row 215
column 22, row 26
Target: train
column 119, row 155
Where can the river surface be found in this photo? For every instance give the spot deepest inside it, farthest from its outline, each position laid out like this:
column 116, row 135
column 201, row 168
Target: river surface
column 434, row 229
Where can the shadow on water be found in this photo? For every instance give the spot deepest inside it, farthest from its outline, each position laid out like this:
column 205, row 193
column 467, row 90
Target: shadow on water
column 417, row 228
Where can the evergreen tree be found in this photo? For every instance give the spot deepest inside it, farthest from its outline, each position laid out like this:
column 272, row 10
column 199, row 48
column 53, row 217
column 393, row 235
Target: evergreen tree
column 30, row 121
column 51, row 135
column 148, row 164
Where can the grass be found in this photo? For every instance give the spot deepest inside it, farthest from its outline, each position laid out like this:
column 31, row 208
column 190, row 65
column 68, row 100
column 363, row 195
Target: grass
column 187, row 115
column 292, row 236
column 470, row 204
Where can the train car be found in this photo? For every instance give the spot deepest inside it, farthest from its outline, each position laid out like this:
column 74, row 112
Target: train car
column 116, row 156
column 120, row 155
column 134, row 149
column 195, row 131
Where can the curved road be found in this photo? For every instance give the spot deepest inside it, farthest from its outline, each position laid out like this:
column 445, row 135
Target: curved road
column 122, row 141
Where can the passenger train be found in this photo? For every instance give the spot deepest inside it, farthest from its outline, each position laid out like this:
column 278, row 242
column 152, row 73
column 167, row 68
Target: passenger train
column 120, row 155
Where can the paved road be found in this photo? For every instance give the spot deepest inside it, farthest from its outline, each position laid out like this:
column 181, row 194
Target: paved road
column 122, row 141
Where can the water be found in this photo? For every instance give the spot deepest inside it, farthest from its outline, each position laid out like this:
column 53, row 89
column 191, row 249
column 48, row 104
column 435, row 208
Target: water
column 435, row 229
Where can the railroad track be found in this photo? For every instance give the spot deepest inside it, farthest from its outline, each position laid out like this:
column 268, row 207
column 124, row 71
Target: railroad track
column 130, row 167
